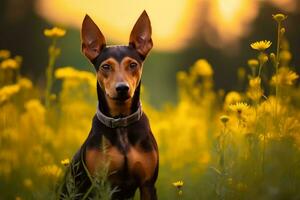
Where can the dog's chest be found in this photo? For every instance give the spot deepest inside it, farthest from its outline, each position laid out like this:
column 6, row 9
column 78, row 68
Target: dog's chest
column 129, row 154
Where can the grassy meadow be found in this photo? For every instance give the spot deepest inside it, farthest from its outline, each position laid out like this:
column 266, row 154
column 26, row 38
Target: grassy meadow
column 242, row 144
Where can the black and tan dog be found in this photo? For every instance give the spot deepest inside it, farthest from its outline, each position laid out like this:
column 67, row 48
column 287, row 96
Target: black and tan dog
column 130, row 147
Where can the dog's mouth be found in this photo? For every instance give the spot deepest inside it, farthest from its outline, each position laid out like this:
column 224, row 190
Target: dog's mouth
column 121, row 97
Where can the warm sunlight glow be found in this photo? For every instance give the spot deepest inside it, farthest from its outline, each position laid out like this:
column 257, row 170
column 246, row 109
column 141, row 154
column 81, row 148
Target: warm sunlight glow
column 171, row 21
column 219, row 22
column 230, row 19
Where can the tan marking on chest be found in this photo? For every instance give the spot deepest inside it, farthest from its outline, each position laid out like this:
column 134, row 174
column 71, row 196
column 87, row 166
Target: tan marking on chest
column 141, row 163
column 96, row 159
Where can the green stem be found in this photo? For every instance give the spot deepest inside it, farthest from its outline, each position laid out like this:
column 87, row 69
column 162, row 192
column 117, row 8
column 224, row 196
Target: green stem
column 49, row 72
column 277, row 65
column 260, row 67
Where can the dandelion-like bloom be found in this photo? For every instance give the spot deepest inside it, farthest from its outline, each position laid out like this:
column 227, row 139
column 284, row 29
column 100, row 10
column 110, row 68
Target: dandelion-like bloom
column 239, row 107
column 4, row 54
column 279, row 17
column 54, row 32
column 202, row 68
column 178, row 184
column 261, row 45
column 9, row 64
column 285, row 77
column 65, row 162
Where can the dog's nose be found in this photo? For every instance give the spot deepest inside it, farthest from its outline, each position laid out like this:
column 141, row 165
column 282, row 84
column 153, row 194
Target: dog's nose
column 122, row 87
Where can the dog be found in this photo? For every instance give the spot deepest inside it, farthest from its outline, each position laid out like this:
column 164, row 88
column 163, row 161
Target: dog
column 119, row 123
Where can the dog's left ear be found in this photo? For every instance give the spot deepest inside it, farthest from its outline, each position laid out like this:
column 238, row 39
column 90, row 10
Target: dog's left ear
column 140, row 37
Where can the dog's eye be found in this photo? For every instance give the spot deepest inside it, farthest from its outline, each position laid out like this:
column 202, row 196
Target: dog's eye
column 133, row 65
column 106, row 66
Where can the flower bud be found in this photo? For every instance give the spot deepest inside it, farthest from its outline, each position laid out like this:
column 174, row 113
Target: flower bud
column 273, row 57
column 253, row 63
column 224, row 119
column 282, row 31
column 279, row 17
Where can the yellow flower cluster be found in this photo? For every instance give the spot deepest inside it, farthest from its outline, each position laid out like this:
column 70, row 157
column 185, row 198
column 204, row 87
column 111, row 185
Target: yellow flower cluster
column 8, row 91
column 261, row 45
column 4, row 54
column 71, row 73
column 9, row 64
column 25, row 83
column 50, row 171
column 285, row 77
column 54, row 32
column 254, row 91
column 35, row 106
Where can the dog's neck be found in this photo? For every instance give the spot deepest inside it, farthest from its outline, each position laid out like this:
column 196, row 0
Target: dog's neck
column 117, row 109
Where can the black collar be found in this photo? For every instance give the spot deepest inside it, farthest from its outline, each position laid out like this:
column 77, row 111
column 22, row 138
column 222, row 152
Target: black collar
column 119, row 122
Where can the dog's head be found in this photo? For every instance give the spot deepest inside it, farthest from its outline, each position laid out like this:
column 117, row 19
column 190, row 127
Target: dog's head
column 119, row 68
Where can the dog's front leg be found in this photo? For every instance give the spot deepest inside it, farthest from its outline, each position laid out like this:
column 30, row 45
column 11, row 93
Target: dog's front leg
column 148, row 192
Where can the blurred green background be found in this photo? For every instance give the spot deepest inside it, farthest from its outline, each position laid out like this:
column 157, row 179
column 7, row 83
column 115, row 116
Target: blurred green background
column 225, row 47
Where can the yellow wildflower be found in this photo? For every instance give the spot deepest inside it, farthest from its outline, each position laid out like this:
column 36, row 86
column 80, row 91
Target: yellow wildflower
column 54, row 32
column 7, row 91
column 25, row 83
column 255, row 92
column 4, row 54
column 239, row 107
column 202, row 68
column 71, row 73
column 255, row 82
column 18, row 198
column 263, row 58
column 51, row 171
column 178, row 184
column 284, row 77
column 36, row 106
column 279, row 17
column 65, row 162
column 261, row 45
column 9, row 63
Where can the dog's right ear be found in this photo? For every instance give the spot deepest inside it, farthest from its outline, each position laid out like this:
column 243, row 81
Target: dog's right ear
column 92, row 40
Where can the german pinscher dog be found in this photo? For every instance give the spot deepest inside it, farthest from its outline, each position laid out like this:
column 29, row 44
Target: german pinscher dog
column 130, row 148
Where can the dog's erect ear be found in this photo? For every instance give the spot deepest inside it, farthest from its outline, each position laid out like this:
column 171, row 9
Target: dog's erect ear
column 140, row 37
column 92, row 40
